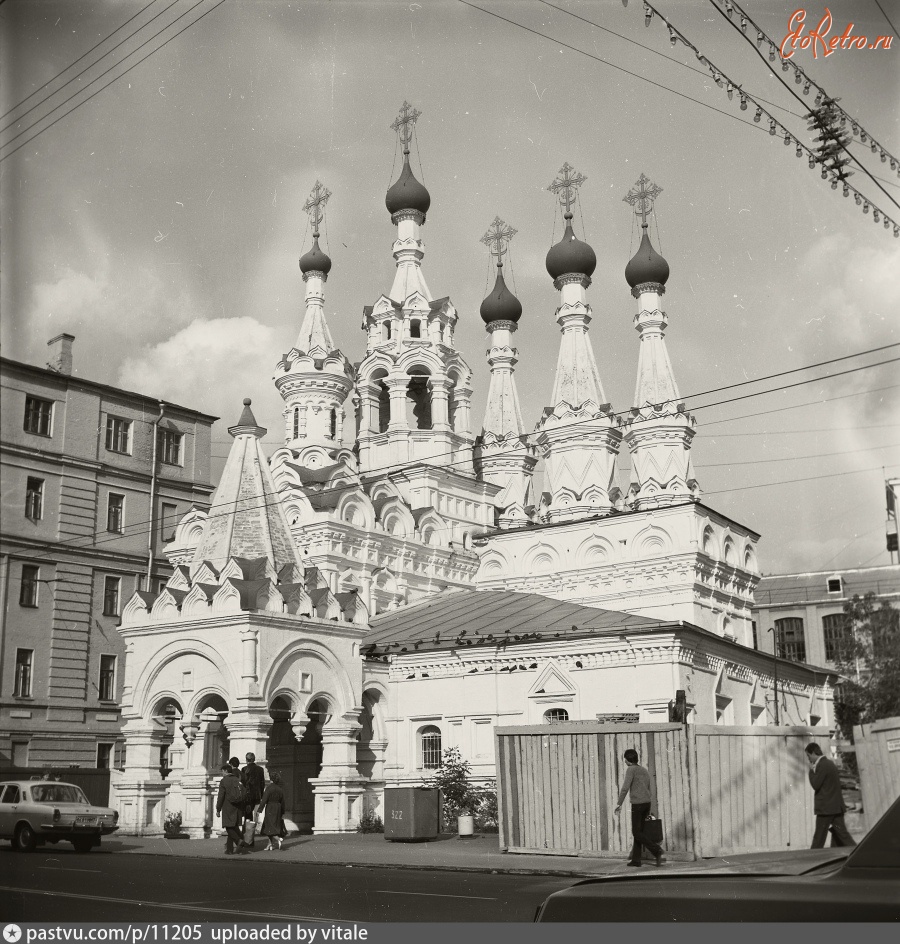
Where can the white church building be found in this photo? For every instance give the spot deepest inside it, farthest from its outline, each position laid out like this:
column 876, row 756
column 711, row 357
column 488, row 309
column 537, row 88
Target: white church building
column 346, row 613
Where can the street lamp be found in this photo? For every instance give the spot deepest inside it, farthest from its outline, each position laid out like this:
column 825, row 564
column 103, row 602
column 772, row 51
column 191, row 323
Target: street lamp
column 775, row 660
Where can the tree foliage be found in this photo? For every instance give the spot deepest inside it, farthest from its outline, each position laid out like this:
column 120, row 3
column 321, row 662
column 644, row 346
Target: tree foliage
column 459, row 795
column 869, row 660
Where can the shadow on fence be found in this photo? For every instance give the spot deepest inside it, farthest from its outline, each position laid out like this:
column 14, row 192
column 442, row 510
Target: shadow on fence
column 93, row 781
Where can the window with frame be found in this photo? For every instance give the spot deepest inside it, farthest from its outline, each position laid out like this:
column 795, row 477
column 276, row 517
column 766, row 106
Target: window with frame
column 111, row 588
column 333, row 424
column 837, row 633
column 169, row 446
column 755, row 637
column 835, row 585
column 38, row 416
column 430, row 747
column 106, row 683
column 115, row 513
column 168, row 516
column 34, row 499
column 28, row 589
column 555, row 715
column 118, row 434
column 791, row 641
column 24, row 660
column 104, row 756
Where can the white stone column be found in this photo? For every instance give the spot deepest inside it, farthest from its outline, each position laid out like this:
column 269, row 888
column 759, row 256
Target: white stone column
column 142, row 791
column 339, row 790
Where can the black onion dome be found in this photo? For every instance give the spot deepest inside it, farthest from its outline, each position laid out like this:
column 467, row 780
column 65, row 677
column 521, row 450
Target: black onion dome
column 407, row 193
column 570, row 256
column 315, row 260
column 501, row 304
column 647, row 265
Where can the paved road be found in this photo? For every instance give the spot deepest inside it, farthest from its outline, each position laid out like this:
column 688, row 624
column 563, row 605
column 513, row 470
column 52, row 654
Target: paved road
column 59, row 885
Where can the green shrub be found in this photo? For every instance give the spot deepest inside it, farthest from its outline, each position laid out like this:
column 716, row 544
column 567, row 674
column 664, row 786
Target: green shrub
column 370, row 823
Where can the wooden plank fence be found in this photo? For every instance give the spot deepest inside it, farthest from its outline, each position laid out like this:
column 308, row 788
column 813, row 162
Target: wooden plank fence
column 94, row 781
column 718, row 790
column 877, row 748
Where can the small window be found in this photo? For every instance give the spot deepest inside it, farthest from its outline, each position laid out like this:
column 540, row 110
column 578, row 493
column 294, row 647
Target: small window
column 415, row 329
column 333, row 430
column 430, row 747
column 296, row 422
column 104, row 756
column 169, row 446
column 835, row 585
column 38, row 416
column 28, row 591
column 790, row 639
column 111, row 586
column 755, row 637
column 115, row 513
column 118, row 435
column 34, row 499
column 168, row 520
column 24, row 659
column 555, row 715
column 106, row 684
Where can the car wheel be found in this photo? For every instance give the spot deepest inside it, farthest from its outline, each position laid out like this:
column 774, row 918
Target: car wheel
column 25, row 840
column 83, row 844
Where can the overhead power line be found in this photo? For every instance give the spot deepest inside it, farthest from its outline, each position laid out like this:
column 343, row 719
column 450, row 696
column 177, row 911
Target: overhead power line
column 723, row 80
column 75, row 63
column 114, row 79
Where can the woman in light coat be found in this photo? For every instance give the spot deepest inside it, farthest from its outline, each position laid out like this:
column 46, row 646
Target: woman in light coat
column 271, row 808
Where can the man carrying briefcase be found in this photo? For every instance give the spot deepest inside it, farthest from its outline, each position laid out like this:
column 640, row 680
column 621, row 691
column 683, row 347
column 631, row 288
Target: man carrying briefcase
column 637, row 787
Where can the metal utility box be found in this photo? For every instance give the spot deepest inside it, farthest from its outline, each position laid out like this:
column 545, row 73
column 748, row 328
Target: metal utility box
column 412, row 813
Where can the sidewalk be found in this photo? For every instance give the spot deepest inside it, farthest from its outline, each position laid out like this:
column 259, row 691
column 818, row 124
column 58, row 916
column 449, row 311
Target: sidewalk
column 448, row 853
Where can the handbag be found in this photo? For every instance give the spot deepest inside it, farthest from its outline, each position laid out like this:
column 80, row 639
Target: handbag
column 653, row 829
column 249, row 831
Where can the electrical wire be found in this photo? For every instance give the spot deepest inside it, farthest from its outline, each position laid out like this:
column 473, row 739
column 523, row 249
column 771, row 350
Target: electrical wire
column 88, row 68
column 114, row 79
column 75, row 63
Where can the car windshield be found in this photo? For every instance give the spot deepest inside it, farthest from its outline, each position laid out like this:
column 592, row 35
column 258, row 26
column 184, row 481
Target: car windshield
column 57, row 793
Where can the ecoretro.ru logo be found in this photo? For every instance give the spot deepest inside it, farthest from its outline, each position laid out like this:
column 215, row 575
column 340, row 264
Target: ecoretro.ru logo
column 818, row 40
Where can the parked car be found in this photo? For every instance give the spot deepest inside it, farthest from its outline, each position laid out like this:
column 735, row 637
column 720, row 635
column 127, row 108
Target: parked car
column 861, row 883
column 33, row 812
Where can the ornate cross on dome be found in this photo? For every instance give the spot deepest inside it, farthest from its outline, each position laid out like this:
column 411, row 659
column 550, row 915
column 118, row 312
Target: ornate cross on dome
column 566, row 183
column 641, row 197
column 314, row 206
column 497, row 238
column 404, row 124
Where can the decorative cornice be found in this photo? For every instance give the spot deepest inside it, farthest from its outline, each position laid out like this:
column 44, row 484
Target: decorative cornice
column 500, row 326
column 648, row 287
column 315, row 273
column 415, row 215
column 571, row 277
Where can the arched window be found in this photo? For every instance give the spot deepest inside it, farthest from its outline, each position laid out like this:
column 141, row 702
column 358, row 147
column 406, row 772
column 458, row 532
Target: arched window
column 430, row 747
column 418, row 392
column 837, row 634
column 789, row 639
column 384, row 407
column 555, row 715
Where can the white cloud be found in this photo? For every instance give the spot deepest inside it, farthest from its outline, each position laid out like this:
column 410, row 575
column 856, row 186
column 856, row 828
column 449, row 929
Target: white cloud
column 211, row 365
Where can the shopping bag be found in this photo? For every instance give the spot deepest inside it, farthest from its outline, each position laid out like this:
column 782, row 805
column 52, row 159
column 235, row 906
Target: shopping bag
column 249, row 831
column 653, row 829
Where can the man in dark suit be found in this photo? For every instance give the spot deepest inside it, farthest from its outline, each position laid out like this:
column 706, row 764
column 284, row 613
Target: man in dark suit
column 829, row 800
column 254, row 782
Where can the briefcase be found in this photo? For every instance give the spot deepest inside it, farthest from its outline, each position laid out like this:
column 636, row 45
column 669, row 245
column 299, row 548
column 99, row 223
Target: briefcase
column 653, row 829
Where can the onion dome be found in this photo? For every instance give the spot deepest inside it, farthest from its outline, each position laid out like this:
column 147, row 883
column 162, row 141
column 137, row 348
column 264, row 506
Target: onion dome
column 315, row 260
column 570, row 255
column 407, row 193
column 501, row 304
column 647, row 265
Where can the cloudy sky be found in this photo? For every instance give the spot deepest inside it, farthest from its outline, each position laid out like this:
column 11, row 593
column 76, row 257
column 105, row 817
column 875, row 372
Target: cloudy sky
column 160, row 222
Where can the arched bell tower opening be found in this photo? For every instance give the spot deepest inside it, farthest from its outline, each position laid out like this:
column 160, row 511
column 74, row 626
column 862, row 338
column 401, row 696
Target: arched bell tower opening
column 418, row 393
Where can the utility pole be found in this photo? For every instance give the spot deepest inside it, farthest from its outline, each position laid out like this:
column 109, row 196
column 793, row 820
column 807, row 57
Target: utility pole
column 775, row 662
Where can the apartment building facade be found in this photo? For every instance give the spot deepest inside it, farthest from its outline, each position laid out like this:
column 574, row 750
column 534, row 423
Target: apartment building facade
column 802, row 614
column 95, row 479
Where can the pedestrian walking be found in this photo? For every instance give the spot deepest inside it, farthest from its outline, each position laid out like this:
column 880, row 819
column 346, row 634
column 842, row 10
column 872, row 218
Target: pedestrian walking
column 254, row 782
column 636, row 786
column 828, row 804
column 271, row 808
column 230, row 806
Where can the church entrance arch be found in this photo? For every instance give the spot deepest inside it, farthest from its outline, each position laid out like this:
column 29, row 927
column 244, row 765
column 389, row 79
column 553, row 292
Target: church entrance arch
column 295, row 751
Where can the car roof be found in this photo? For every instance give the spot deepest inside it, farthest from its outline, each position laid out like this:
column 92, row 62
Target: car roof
column 880, row 847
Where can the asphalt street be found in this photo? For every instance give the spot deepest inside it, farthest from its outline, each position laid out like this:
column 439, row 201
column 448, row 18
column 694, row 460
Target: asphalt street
column 59, row 885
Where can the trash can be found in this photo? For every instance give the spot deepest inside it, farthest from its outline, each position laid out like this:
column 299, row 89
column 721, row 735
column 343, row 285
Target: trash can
column 412, row 814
